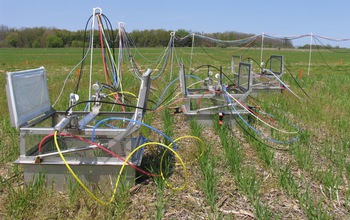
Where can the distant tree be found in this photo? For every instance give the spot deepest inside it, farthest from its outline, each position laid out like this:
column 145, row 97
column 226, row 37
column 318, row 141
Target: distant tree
column 287, row 43
column 150, row 38
column 181, row 33
column 36, row 44
column 66, row 37
column 53, row 37
column 12, row 39
column 54, row 42
column 136, row 37
column 31, row 37
column 77, row 43
column 4, row 31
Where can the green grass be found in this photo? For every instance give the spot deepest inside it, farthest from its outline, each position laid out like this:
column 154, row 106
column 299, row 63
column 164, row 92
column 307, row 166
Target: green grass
column 23, row 200
column 207, row 163
column 121, row 200
column 314, row 170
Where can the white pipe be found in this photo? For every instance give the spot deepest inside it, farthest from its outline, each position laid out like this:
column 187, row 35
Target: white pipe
column 262, row 49
column 308, row 71
column 92, row 50
column 191, row 52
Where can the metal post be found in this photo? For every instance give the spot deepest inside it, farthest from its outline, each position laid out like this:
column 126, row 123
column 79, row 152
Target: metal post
column 120, row 53
column 92, row 48
column 172, row 36
column 308, row 71
column 262, row 48
column 191, row 52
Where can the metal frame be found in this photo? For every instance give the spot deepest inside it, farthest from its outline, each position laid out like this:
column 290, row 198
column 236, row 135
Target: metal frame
column 213, row 94
column 265, row 81
column 27, row 95
column 280, row 63
column 235, row 60
column 82, row 157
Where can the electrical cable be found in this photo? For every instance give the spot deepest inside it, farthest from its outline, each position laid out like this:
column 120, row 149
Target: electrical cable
column 252, row 59
column 256, row 115
column 324, row 60
column 97, row 145
column 229, row 79
column 255, row 138
column 161, row 162
column 229, row 42
column 117, row 80
column 82, row 62
column 110, row 31
column 106, row 102
column 131, row 121
column 331, row 39
column 159, row 105
column 258, row 140
column 74, row 175
column 165, row 64
column 194, row 137
column 295, row 80
column 100, row 27
column 69, row 74
column 206, row 52
column 246, row 41
column 125, row 93
column 254, row 129
column 164, row 91
column 121, row 170
column 284, row 85
column 111, row 58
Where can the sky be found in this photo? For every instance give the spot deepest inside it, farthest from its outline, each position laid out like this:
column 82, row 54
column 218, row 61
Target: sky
column 273, row 17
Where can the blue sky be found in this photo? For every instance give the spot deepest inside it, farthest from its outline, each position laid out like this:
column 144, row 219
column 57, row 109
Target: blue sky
column 276, row 17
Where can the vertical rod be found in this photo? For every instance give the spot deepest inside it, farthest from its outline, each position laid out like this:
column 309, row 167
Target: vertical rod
column 310, row 52
column 172, row 34
column 262, row 49
column 120, row 53
column 92, row 52
column 191, row 52
column 220, row 80
column 232, row 65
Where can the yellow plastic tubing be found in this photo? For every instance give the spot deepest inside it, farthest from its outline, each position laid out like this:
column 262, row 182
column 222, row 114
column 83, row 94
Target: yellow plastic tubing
column 123, row 166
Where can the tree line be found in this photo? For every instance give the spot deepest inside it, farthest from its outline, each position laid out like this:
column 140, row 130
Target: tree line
column 43, row 37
